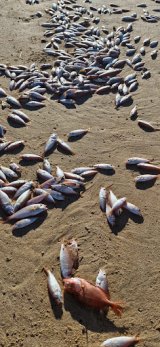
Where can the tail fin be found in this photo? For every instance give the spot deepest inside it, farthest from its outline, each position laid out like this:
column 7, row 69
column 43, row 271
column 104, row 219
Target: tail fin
column 117, row 307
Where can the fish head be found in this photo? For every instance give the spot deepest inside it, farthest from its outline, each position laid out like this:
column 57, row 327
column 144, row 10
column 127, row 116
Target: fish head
column 72, row 285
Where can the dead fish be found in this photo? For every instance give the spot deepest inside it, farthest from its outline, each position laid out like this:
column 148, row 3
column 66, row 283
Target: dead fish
column 46, row 165
column 89, row 173
column 145, row 178
column 103, row 90
column 16, row 119
column 51, row 144
column 146, row 126
column 110, row 216
column 31, row 157
column 15, row 167
column 137, row 160
column 10, row 191
column 132, row 208
column 22, row 199
column 28, row 211
column 76, row 134
column 43, row 175
column 64, row 146
column 149, row 167
column 10, row 174
column 17, row 183
column 2, row 131
column 34, row 104
column 53, row 287
column 59, row 173
column 3, row 176
column 37, row 199
column 21, row 115
column 118, row 204
column 3, row 94
column 14, row 145
column 80, row 170
column 48, row 198
column 104, row 167
column 73, row 176
column 13, row 102
column 4, row 145
column 23, row 188
column 57, row 195
column 64, row 189
column 5, row 203
column 112, row 200
column 133, row 113
column 69, row 258
column 101, row 282
column 24, row 223
column 102, row 199
column 121, row 341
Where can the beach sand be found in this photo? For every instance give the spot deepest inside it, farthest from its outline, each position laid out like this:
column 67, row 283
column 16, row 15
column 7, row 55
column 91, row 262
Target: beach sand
column 131, row 255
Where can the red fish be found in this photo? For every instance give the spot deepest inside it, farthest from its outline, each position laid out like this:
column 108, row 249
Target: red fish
column 90, row 295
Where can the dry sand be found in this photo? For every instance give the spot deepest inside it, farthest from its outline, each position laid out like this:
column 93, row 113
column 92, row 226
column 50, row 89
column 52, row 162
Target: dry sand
column 130, row 257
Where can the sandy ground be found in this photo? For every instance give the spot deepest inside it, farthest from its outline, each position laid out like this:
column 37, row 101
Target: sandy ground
column 131, row 255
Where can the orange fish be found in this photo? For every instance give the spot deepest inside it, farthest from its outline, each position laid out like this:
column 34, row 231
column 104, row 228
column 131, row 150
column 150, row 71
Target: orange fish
column 91, row 295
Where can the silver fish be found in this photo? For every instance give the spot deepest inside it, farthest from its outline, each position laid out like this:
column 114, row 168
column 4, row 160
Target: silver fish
column 28, row 211
column 24, row 223
column 6, row 203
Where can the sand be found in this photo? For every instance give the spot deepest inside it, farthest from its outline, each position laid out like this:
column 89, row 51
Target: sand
column 131, row 254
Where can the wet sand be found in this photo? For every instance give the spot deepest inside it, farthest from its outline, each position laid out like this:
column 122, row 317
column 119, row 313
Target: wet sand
column 131, row 254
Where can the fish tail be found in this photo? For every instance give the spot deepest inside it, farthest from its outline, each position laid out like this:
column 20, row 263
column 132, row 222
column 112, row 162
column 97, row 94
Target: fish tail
column 117, row 308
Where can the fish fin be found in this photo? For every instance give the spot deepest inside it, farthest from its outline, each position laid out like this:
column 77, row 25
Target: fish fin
column 116, row 307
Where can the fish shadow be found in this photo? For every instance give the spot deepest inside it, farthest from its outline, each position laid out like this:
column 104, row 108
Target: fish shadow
column 57, row 309
column 106, row 172
column 145, row 129
column 91, row 319
column 23, row 231
column 145, row 185
column 127, row 103
column 132, row 167
column 121, row 222
column 74, row 139
column 65, row 203
column 24, row 162
column 83, row 99
column 63, row 151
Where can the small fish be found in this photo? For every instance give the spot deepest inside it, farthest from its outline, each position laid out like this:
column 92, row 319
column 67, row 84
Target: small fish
column 21, row 115
column 104, row 167
column 133, row 113
column 53, row 287
column 15, row 167
column 24, row 223
column 37, row 199
column 118, row 204
column 46, row 165
column 34, row 104
column 3, row 94
column 101, row 282
column 14, row 145
column 22, row 199
column 5, row 203
column 28, row 211
column 69, row 258
column 43, row 175
column 51, row 144
column 76, row 134
column 64, row 146
column 16, row 119
column 147, row 126
column 10, row 174
column 89, row 173
column 80, row 170
column 146, row 178
column 137, row 160
column 74, row 176
column 59, row 173
column 13, row 102
column 121, row 341
column 132, row 208
column 23, row 187
column 110, row 216
column 2, row 131
column 64, row 190
column 102, row 199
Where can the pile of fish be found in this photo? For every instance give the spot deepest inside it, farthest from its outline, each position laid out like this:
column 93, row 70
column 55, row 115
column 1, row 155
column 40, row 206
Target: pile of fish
column 113, row 207
column 89, row 63
column 95, row 296
column 23, row 201
column 152, row 171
